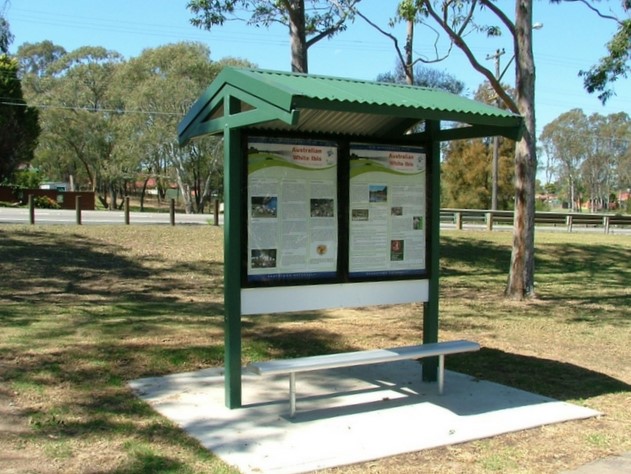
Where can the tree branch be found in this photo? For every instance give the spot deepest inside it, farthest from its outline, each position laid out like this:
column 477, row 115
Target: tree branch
column 460, row 43
column 385, row 33
column 594, row 9
column 467, row 20
column 343, row 16
column 501, row 15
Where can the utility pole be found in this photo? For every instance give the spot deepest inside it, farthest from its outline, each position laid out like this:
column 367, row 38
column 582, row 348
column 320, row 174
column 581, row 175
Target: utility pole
column 496, row 140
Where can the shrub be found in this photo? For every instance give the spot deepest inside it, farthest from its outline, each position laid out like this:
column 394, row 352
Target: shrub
column 44, row 202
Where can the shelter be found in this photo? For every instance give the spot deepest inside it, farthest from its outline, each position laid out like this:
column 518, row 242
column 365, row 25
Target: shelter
column 242, row 103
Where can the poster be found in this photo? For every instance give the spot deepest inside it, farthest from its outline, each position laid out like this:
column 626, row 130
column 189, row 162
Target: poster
column 387, row 225
column 292, row 209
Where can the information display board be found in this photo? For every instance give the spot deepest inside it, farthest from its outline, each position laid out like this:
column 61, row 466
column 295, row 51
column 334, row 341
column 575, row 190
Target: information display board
column 387, row 211
column 326, row 211
column 292, row 209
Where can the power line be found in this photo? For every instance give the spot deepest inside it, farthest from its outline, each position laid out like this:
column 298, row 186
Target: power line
column 90, row 109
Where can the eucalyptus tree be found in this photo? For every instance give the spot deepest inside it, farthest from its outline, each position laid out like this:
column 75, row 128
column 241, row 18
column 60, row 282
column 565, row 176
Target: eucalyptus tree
column 457, row 21
column 53, row 158
column 6, row 37
column 565, row 142
column 159, row 87
column 423, row 76
column 604, row 169
column 79, row 113
column 308, row 21
column 615, row 64
column 590, row 154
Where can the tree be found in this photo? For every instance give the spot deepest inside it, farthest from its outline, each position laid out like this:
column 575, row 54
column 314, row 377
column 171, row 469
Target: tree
column 599, row 170
column 6, row 38
column 565, row 143
column 157, row 88
column 80, row 115
column 601, row 76
column 466, row 175
column 19, row 127
column 456, row 19
column 467, row 168
column 408, row 12
column 323, row 19
column 36, row 58
column 424, row 77
column 589, row 154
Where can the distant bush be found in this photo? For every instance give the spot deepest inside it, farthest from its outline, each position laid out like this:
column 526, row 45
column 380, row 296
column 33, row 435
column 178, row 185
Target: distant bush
column 44, row 202
column 542, row 206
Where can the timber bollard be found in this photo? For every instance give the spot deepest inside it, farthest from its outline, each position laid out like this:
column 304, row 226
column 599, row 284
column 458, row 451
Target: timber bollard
column 458, row 217
column 216, row 212
column 77, row 207
column 172, row 211
column 31, row 209
column 489, row 221
column 127, row 210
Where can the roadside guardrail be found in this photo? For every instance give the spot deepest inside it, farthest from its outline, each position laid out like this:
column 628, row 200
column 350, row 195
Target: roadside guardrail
column 566, row 221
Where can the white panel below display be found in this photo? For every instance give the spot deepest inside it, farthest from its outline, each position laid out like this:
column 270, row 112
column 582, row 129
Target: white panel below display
column 284, row 299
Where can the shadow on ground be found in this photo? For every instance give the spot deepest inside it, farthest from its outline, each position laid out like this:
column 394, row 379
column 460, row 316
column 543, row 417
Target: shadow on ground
column 558, row 380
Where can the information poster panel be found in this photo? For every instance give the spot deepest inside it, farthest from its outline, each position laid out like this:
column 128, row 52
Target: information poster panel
column 387, row 211
column 292, row 210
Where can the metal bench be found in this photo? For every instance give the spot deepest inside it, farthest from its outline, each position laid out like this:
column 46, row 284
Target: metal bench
column 348, row 359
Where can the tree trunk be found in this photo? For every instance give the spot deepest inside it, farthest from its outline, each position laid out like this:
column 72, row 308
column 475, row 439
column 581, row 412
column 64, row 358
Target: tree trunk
column 522, row 266
column 143, row 193
column 298, row 37
column 186, row 192
column 409, row 52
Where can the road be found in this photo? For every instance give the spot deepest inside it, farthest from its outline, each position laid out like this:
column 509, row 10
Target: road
column 9, row 215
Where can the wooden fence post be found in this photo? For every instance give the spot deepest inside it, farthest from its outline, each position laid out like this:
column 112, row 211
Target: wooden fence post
column 458, row 217
column 489, row 221
column 127, row 210
column 569, row 223
column 216, row 212
column 31, row 209
column 77, row 207
column 172, row 211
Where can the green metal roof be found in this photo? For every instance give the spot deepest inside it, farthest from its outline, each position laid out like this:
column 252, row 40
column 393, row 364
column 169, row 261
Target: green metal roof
column 279, row 101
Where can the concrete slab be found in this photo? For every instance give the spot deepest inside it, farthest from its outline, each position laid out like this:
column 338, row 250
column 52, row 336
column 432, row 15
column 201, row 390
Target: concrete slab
column 344, row 416
column 610, row 465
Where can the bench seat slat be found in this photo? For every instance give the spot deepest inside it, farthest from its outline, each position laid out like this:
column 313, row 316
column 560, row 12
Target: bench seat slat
column 347, row 359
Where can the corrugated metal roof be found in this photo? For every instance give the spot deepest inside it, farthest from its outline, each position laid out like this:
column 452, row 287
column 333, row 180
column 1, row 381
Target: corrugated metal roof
column 327, row 88
column 310, row 103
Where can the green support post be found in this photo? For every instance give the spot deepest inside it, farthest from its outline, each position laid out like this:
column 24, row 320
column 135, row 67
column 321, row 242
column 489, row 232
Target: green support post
column 430, row 308
column 232, row 264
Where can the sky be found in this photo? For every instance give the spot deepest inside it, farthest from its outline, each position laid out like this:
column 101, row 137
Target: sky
column 572, row 38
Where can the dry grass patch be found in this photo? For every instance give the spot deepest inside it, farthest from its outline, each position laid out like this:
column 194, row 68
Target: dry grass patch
column 86, row 309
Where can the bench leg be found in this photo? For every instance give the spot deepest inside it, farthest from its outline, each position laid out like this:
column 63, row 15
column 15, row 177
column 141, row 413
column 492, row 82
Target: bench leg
column 441, row 373
column 292, row 394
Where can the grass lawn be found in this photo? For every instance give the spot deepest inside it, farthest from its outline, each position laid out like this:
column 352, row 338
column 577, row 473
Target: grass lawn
column 85, row 309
